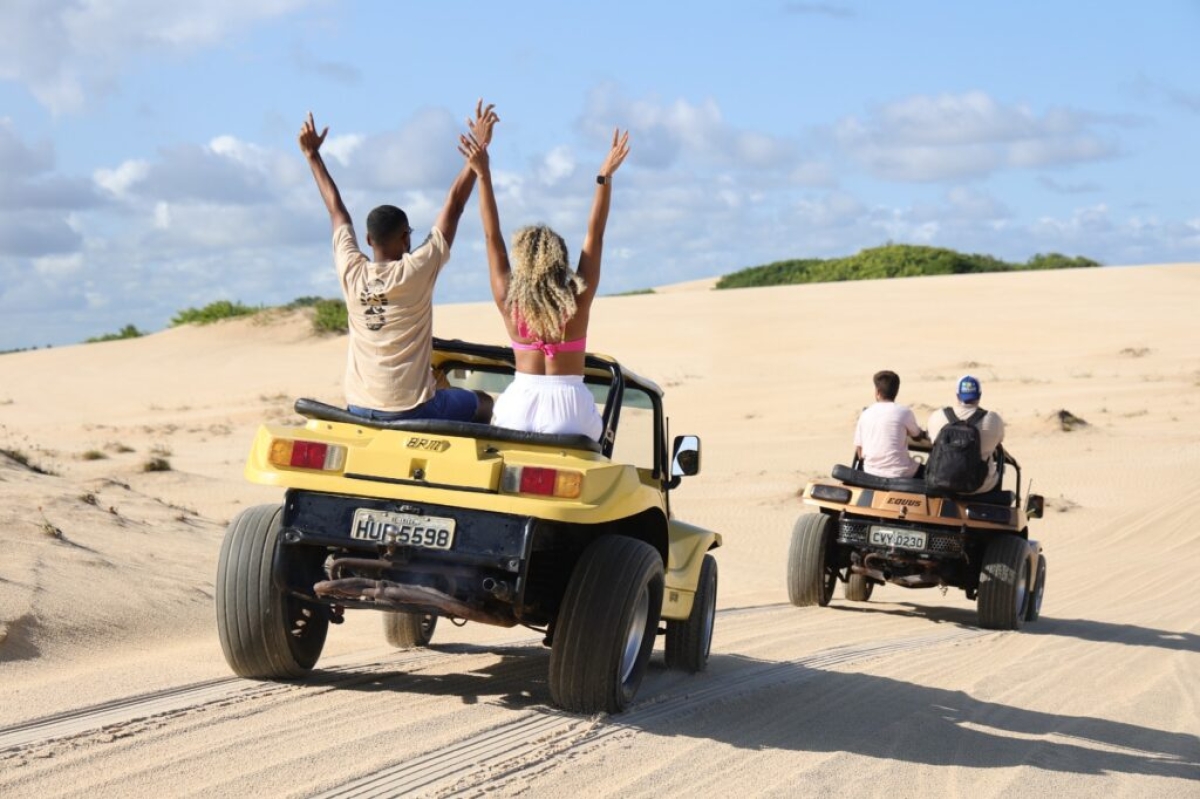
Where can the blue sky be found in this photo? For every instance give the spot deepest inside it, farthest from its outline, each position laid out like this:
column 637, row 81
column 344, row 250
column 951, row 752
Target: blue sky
column 148, row 158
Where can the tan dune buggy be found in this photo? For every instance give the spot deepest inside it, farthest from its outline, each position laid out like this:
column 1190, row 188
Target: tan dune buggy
column 432, row 519
column 868, row 530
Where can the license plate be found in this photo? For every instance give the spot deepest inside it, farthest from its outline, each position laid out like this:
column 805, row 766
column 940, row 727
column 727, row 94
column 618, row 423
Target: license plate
column 901, row 539
column 402, row 529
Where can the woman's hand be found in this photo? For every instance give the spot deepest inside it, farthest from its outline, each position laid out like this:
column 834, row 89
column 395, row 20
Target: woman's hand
column 616, row 156
column 475, row 153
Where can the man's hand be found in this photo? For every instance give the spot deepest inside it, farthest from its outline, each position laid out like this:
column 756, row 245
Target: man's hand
column 481, row 126
column 310, row 145
column 310, row 142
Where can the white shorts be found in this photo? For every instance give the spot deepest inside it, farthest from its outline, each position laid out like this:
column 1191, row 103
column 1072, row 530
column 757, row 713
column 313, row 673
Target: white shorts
column 558, row 404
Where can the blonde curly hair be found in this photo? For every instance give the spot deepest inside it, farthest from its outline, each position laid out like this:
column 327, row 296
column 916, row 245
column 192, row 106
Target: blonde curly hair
column 542, row 286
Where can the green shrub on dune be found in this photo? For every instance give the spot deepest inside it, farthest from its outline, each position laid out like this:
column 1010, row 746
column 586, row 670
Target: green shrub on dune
column 890, row 260
column 330, row 316
column 213, row 312
column 129, row 331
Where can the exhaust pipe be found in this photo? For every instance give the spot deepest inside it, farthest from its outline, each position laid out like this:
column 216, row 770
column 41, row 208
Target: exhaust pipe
column 500, row 589
column 407, row 598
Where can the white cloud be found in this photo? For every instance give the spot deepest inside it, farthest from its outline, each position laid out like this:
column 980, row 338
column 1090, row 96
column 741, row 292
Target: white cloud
column 118, row 181
column 162, row 215
column 950, row 137
column 556, row 165
column 68, row 51
column 59, row 266
column 18, row 159
column 663, row 134
column 342, row 148
column 967, row 203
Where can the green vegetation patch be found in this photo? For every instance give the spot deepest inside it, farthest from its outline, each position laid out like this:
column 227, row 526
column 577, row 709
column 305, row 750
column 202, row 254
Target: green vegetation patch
column 890, row 260
column 330, row 316
column 129, row 331
column 213, row 312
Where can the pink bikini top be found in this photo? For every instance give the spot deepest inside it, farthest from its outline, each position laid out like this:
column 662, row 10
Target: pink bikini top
column 548, row 348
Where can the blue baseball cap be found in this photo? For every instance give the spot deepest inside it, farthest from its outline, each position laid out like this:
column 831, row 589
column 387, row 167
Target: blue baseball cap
column 968, row 389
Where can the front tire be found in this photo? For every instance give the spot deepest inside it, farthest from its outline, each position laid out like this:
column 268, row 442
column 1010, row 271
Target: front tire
column 689, row 642
column 606, row 625
column 265, row 632
column 1004, row 584
column 812, row 573
column 408, row 630
column 859, row 588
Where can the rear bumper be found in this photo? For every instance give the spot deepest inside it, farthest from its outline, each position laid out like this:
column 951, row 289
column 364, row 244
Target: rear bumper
column 941, row 542
column 482, row 577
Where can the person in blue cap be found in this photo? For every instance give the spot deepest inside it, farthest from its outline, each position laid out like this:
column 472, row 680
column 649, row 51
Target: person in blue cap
column 991, row 426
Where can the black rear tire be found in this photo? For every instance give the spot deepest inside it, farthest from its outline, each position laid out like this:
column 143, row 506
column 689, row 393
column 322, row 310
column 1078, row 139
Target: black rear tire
column 859, row 588
column 812, row 572
column 265, row 633
column 1034, row 612
column 689, row 642
column 606, row 625
column 1004, row 584
column 409, row 630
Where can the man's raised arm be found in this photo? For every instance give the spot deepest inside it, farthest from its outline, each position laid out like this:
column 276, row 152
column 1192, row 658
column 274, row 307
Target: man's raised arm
column 310, row 145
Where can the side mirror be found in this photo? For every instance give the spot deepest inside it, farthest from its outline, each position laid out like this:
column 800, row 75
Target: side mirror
column 685, row 461
column 1035, row 506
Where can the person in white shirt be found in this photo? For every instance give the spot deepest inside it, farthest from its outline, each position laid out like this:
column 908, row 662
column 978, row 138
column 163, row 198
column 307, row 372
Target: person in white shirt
column 881, row 436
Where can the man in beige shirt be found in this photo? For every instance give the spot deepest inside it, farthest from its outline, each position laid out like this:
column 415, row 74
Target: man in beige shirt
column 991, row 426
column 389, row 297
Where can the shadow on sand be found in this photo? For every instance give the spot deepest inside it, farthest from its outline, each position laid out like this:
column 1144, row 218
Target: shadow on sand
column 1082, row 629
column 760, row 705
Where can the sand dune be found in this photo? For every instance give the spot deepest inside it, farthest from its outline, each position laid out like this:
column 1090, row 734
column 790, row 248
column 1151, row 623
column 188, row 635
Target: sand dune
column 114, row 684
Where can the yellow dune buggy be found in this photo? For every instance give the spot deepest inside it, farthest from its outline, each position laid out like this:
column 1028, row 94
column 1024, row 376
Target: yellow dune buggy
column 434, row 519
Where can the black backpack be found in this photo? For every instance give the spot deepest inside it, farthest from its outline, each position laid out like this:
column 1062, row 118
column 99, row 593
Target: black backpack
column 956, row 463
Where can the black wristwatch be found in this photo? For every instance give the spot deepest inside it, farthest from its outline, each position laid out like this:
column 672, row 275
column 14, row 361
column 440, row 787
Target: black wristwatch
column 601, row 179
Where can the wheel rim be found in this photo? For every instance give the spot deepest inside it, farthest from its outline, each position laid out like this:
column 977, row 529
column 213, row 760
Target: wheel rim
column 636, row 634
column 709, row 618
column 1041, row 587
column 830, row 582
column 303, row 625
column 1021, row 592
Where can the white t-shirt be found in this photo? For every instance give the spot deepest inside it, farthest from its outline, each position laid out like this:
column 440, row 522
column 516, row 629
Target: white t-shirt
column 991, row 434
column 882, row 433
column 390, row 310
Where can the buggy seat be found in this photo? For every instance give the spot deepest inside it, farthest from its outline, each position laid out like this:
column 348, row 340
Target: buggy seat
column 912, row 485
column 313, row 409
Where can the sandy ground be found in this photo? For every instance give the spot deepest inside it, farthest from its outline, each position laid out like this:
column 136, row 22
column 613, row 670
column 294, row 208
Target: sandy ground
column 112, row 682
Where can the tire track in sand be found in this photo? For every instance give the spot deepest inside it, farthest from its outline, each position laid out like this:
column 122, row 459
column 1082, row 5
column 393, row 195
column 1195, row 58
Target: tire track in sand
column 506, row 749
column 194, row 696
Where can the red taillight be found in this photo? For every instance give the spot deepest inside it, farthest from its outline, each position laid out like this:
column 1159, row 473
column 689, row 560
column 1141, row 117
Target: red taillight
column 309, row 454
column 561, row 483
column 297, row 454
column 536, row 480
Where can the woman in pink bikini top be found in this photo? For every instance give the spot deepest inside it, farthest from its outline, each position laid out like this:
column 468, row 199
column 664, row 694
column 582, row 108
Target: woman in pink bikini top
column 545, row 303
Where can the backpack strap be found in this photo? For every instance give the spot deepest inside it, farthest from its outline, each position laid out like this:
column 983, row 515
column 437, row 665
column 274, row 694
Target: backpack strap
column 975, row 418
column 950, row 417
